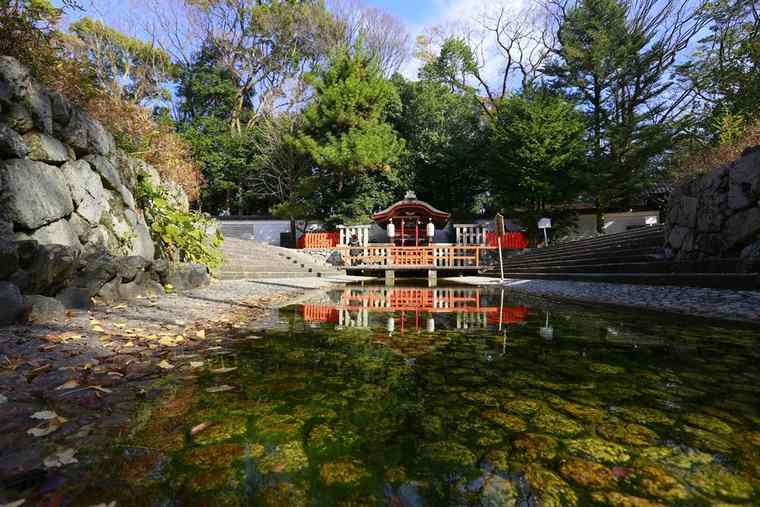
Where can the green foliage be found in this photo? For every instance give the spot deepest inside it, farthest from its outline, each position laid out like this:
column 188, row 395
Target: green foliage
column 445, row 142
column 538, row 142
column 347, row 136
column 181, row 236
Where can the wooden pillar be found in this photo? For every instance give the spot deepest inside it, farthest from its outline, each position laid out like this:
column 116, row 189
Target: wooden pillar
column 390, row 277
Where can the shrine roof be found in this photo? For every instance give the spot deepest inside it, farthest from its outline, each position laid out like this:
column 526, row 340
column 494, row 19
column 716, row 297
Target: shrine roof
column 410, row 206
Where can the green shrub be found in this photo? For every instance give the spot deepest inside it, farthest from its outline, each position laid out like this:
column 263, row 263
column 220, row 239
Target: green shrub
column 181, row 236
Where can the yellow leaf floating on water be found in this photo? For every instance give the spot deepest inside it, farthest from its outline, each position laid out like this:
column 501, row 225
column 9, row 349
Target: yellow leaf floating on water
column 69, row 384
column 16, row 503
column 60, row 458
column 44, row 415
column 165, row 365
column 98, row 329
column 196, row 364
column 167, row 342
column 201, row 333
column 219, row 389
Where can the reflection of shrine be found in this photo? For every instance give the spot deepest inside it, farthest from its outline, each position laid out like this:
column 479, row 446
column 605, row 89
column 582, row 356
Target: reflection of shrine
column 415, row 308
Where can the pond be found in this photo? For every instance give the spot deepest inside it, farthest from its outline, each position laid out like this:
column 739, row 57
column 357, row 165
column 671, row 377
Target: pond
column 412, row 396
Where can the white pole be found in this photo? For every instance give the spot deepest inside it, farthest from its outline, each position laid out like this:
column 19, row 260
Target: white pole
column 501, row 260
column 546, row 239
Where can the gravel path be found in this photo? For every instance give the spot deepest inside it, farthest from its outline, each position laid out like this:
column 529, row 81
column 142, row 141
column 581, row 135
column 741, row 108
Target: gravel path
column 714, row 303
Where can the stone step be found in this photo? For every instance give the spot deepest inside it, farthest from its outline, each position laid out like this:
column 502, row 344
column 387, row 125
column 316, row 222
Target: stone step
column 642, row 254
column 663, row 266
column 615, row 246
column 252, row 275
column 734, row 281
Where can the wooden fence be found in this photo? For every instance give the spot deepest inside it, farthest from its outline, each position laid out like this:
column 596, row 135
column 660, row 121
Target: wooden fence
column 509, row 240
column 319, row 240
column 446, row 256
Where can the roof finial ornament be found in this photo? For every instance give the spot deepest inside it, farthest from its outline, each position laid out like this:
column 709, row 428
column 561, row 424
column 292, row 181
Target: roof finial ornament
column 410, row 195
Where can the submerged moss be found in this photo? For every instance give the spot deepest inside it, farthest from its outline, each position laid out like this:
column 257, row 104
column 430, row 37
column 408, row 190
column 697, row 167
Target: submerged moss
column 715, row 481
column 450, row 453
column 213, row 456
column 709, row 423
column 654, row 481
column 555, row 423
column 617, row 499
column 289, row 457
column 551, row 489
column 606, row 369
column 227, row 429
column 522, row 407
column 533, row 447
column 506, row 421
column 587, row 473
column 344, row 473
column 632, row 434
column 598, row 449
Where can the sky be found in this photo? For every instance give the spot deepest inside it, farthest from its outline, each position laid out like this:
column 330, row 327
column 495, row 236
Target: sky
column 417, row 15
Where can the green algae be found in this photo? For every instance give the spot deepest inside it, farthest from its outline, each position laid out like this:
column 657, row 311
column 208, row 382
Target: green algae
column 552, row 490
column 716, row 481
column 534, row 447
column 289, row 457
column 709, row 423
column 656, row 482
column 344, row 473
column 522, row 406
column 606, row 369
column 632, row 434
column 616, row 499
column 450, row 453
column 587, row 473
column 599, row 450
column 506, row 421
column 554, row 423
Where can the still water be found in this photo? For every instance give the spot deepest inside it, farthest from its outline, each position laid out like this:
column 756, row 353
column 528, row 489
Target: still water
column 460, row 396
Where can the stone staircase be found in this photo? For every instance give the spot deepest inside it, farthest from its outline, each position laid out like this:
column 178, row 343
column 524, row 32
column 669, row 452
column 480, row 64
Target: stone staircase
column 635, row 256
column 246, row 259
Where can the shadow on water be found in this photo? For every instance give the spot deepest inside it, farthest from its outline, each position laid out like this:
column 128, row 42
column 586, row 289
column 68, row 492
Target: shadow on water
column 411, row 396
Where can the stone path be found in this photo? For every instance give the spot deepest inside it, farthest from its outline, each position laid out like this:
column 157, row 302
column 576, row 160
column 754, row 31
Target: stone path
column 714, row 303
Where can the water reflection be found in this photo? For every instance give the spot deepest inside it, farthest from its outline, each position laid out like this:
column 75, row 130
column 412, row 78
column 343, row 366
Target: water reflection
column 457, row 396
column 405, row 309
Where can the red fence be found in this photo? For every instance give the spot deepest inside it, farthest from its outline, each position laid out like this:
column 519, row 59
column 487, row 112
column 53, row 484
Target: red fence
column 509, row 240
column 319, row 240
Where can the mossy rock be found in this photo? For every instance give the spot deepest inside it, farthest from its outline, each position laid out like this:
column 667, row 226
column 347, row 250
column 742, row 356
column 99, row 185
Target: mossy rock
column 687, row 459
column 213, row 479
column 606, row 369
column 325, row 438
column 396, row 475
column 432, row 425
column 522, row 407
column 278, row 427
column 583, row 412
column 709, row 423
column 498, row 491
column 214, row 456
column 554, row 423
column 617, row 499
column 710, row 441
column 632, row 434
column 646, row 415
column 282, row 494
column 450, row 453
column 506, row 421
column 587, row 473
column 550, row 487
column 498, row 459
column 717, row 482
column 534, row 447
column 599, row 450
column 655, row 482
column 349, row 472
column 287, row 458
column 480, row 399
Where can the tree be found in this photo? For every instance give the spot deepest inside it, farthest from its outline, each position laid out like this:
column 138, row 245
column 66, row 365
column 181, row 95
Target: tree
column 539, row 147
column 383, row 36
column 346, row 133
column 124, row 66
column 445, row 142
column 617, row 57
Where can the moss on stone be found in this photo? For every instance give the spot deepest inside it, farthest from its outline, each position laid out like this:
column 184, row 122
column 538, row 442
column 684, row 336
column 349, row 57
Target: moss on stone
column 587, row 473
column 715, row 481
column 599, row 450
column 508, row 422
column 348, row 472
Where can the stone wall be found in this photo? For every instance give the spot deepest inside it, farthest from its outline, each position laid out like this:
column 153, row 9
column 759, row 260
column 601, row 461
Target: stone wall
column 718, row 215
column 69, row 224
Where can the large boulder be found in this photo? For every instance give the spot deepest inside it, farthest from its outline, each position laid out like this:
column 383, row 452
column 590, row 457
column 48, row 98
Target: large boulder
column 17, row 117
column 129, row 266
column 8, row 258
column 20, row 88
column 33, row 194
column 86, row 190
column 186, row 276
column 45, row 148
column 106, row 167
column 142, row 243
column 12, row 145
column 75, row 298
column 12, row 306
column 97, row 270
column 86, row 135
column 57, row 233
column 6, row 231
column 44, row 310
column 50, row 269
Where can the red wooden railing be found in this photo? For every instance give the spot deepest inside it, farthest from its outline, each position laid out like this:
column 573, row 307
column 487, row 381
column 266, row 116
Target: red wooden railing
column 509, row 240
column 319, row 240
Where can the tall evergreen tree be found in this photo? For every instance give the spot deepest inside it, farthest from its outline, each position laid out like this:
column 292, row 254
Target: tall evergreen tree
column 346, row 133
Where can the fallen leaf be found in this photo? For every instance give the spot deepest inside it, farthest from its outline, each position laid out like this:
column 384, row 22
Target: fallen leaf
column 44, row 415
column 201, row 334
column 69, row 384
column 100, row 388
column 165, row 365
column 200, row 427
column 42, row 431
column 15, row 503
column 98, row 329
column 118, row 307
column 196, row 364
column 119, row 325
column 224, row 370
column 60, row 458
column 167, row 342
column 219, row 389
